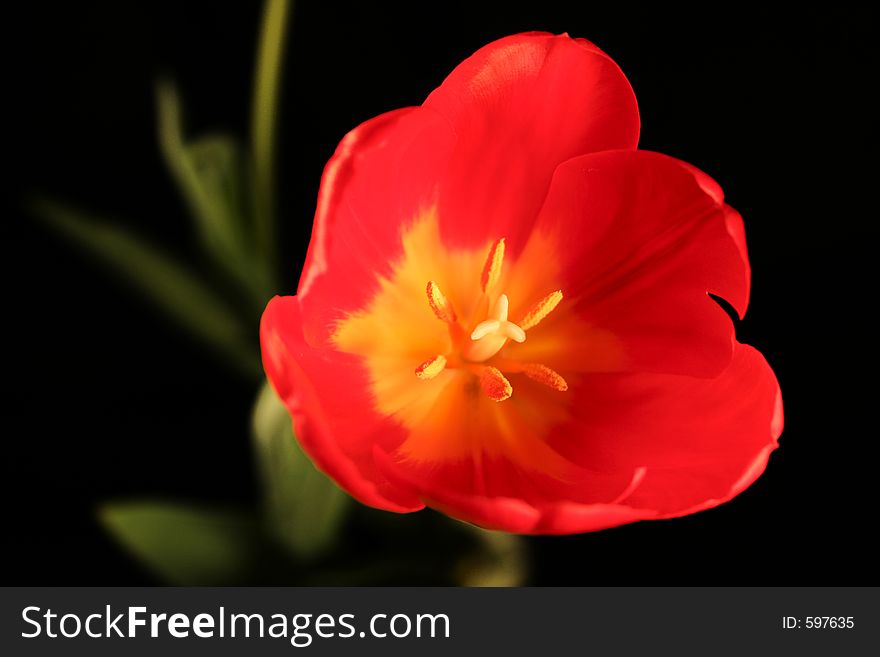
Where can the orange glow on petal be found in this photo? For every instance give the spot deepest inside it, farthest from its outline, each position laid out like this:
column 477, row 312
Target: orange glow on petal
column 450, row 413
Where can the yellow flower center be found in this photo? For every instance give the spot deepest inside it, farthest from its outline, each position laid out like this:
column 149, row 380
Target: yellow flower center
column 490, row 335
column 448, row 332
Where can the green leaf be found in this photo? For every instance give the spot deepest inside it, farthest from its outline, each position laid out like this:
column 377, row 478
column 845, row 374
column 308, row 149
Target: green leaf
column 304, row 508
column 171, row 286
column 187, row 545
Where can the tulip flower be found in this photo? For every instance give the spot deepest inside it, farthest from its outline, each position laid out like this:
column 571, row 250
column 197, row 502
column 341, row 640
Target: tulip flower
column 505, row 310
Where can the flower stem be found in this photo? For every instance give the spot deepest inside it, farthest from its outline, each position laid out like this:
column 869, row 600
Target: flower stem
column 264, row 122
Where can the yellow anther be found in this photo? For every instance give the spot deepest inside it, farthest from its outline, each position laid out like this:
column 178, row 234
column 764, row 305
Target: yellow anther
column 543, row 374
column 431, row 367
column 494, row 384
column 440, row 304
column 492, row 268
column 540, row 310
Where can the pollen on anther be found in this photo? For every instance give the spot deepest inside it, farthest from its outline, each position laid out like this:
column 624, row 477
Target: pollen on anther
column 540, row 310
column 543, row 374
column 440, row 304
column 492, row 268
column 494, row 384
column 431, row 367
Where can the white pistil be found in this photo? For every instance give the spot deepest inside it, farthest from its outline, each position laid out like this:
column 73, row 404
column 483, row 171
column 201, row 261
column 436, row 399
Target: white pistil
column 490, row 335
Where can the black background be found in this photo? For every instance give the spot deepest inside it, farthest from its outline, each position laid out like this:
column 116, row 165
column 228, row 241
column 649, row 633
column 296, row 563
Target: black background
column 105, row 400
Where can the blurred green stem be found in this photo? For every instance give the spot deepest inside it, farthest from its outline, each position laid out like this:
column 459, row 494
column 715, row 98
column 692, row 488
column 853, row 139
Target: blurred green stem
column 207, row 174
column 264, row 122
column 502, row 560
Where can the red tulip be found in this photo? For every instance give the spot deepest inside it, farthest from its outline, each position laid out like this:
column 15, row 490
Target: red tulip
column 505, row 314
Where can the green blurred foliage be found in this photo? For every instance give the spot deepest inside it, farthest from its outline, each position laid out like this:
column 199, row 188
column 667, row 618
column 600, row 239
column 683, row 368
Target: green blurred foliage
column 308, row 531
column 304, row 508
column 188, row 545
column 211, row 176
column 178, row 291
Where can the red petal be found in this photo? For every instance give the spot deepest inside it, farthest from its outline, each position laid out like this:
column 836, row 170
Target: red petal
column 696, row 435
column 644, row 241
column 507, row 513
column 520, row 106
column 670, row 445
column 496, row 494
column 680, row 492
column 483, row 146
column 570, row 518
column 383, row 175
column 327, row 394
column 734, row 225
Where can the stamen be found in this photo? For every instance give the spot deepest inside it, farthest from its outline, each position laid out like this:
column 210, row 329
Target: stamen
column 431, row 367
column 540, row 310
column 440, row 304
column 543, row 374
column 492, row 268
column 494, row 384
